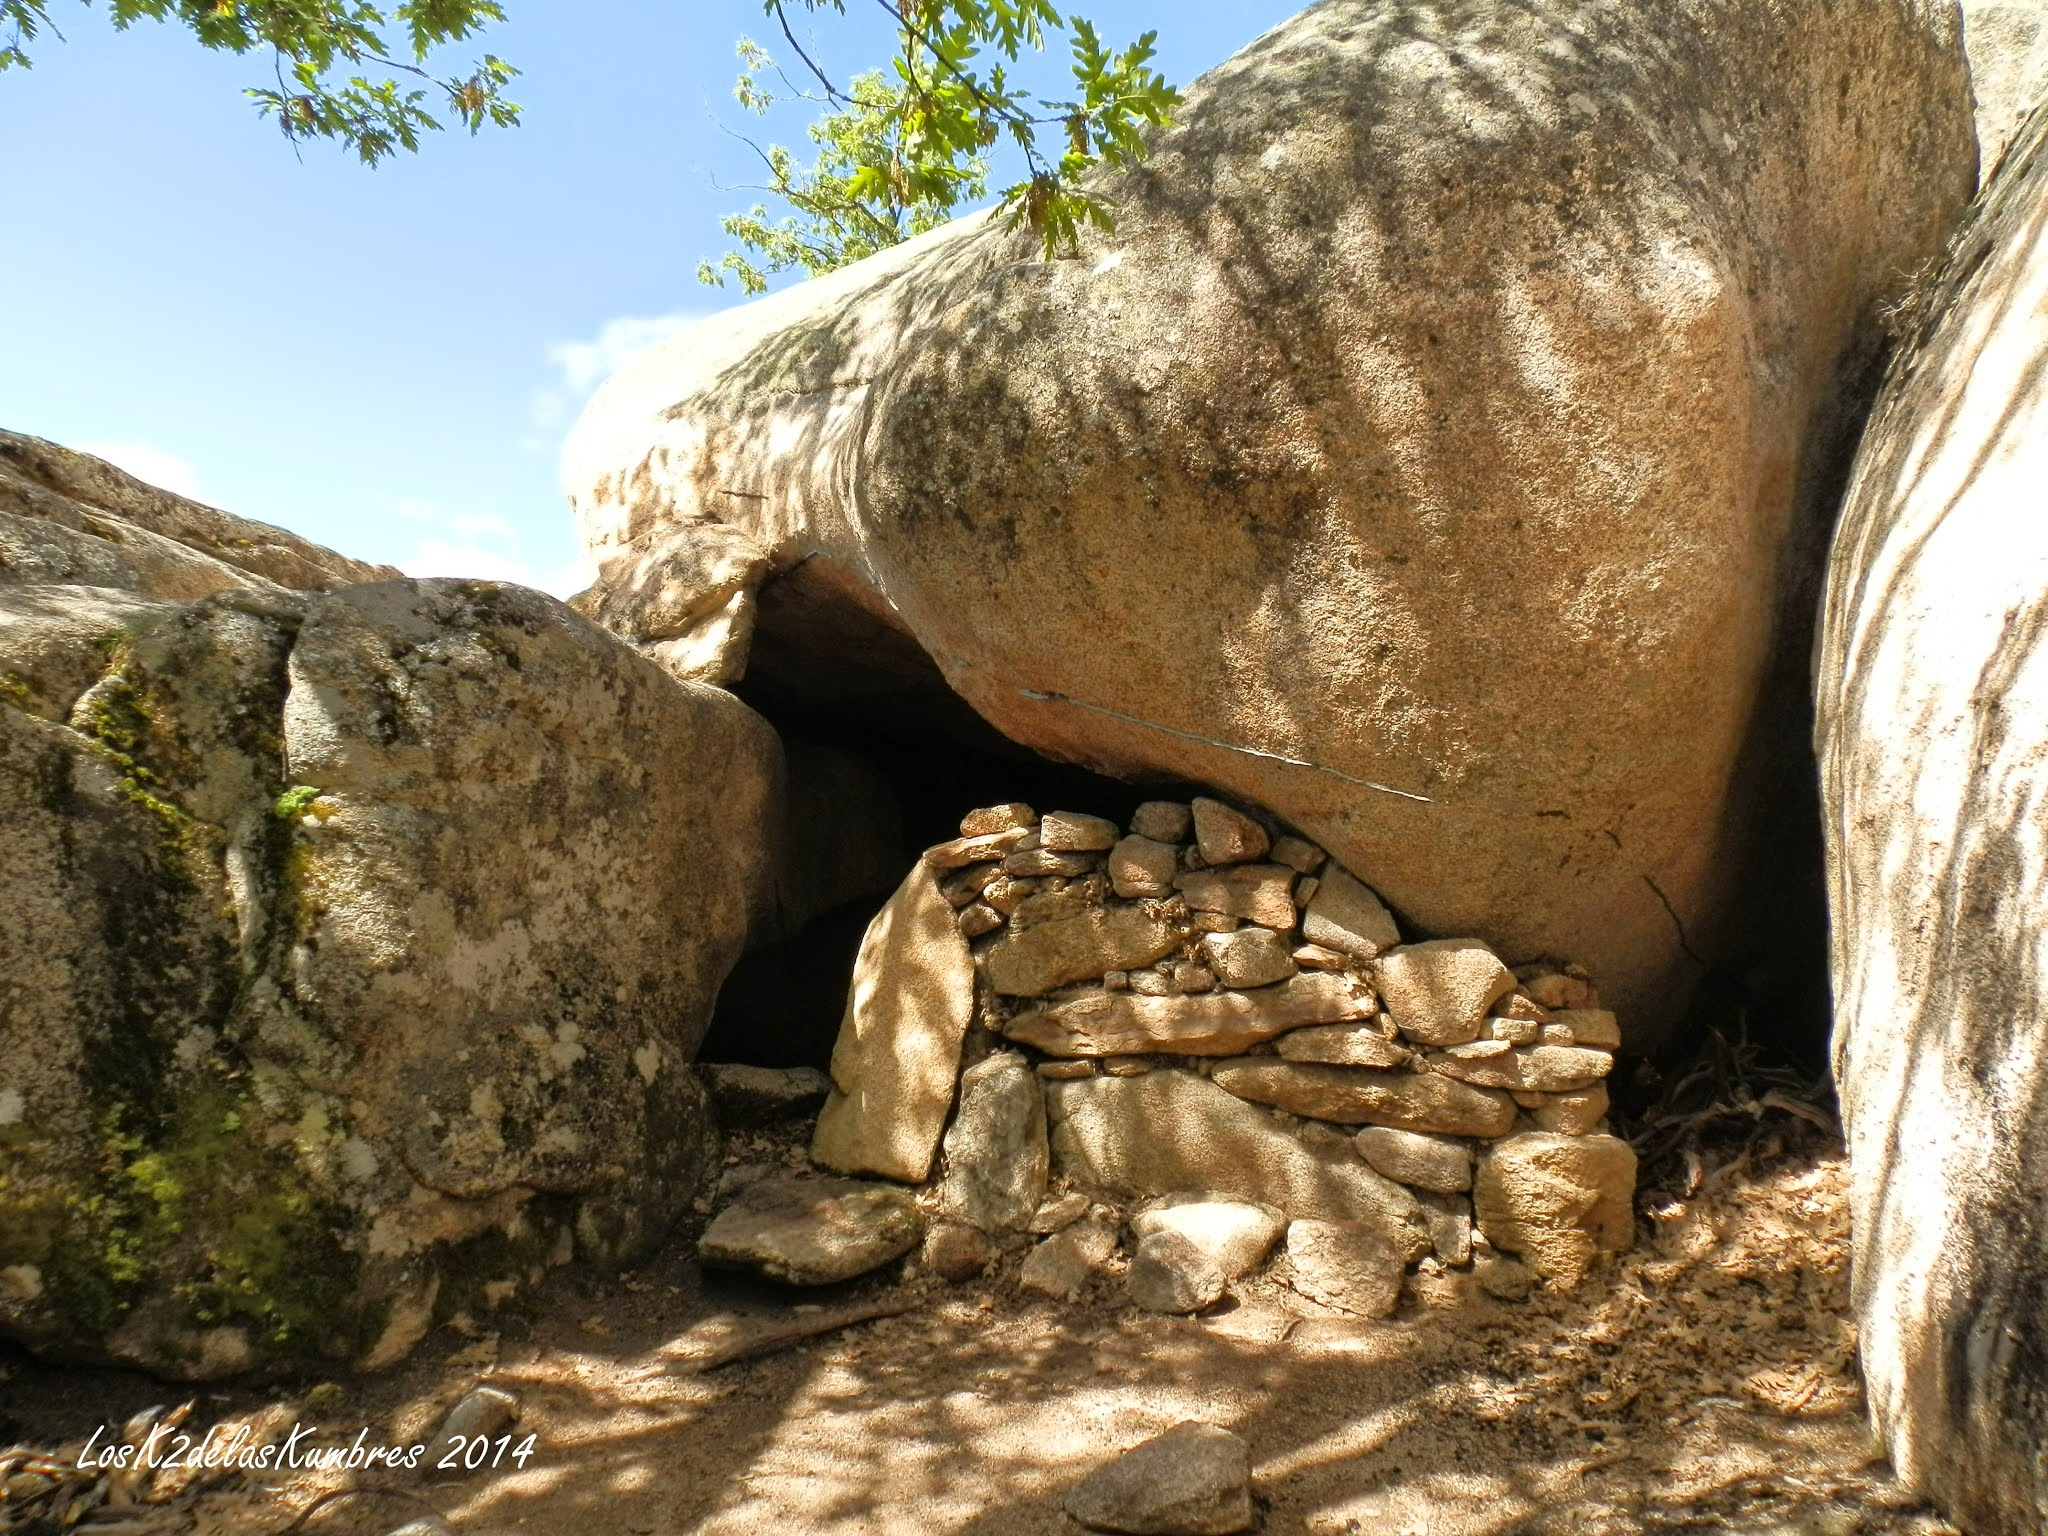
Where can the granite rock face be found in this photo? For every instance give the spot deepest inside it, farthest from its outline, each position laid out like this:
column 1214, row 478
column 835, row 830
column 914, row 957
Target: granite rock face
column 401, row 910
column 1376, row 337
column 1933, row 681
column 2007, row 43
column 67, row 518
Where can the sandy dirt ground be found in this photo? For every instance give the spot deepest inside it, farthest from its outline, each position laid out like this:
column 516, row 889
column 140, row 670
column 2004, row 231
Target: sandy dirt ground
column 1704, row 1382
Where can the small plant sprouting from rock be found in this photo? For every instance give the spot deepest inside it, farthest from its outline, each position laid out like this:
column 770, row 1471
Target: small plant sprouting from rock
column 295, row 802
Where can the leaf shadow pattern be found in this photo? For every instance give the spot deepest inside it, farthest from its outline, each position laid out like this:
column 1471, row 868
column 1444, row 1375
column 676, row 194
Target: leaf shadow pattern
column 1703, row 1381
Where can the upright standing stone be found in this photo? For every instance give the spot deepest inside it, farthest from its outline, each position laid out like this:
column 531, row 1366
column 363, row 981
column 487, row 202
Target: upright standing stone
column 899, row 1044
column 996, row 1154
column 812, row 1231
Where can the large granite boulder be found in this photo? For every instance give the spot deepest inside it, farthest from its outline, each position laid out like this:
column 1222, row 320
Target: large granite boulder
column 68, row 517
column 1933, row 736
column 358, row 947
column 1433, row 455
column 2007, row 42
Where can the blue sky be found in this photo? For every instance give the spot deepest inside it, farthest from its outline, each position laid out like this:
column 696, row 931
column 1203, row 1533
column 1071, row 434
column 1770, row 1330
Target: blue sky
column 387, row 361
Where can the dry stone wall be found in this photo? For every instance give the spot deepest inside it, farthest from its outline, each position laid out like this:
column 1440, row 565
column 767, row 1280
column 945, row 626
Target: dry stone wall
column 1201, row 1012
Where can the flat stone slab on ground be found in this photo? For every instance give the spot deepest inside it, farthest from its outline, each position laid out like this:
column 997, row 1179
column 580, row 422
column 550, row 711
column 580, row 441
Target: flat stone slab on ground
column 750, row 1095
column 1194, row 1480
column 812, row 1231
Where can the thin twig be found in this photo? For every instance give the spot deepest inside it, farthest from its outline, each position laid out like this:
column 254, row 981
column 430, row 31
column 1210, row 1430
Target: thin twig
column 831, row 91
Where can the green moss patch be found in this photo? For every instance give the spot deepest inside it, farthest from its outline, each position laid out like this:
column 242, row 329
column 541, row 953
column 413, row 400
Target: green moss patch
column 205, row 1211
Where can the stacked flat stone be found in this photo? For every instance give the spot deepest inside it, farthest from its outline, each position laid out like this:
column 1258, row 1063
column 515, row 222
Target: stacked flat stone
column 1241, row 965
column 1215, row 1028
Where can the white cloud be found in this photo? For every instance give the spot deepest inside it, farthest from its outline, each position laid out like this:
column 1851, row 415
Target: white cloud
column 580, row 366
column 586, row 364
column 485, row 548
column 148, row 462
column 440, row 557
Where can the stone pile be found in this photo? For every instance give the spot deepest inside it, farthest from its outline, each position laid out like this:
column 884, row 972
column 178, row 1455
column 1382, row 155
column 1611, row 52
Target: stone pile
column 1214, row 1020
